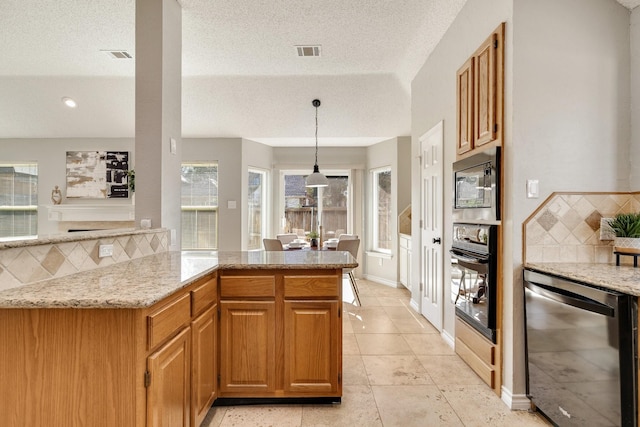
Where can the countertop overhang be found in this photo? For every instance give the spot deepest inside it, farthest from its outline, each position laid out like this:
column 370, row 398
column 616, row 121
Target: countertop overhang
column 624, row 278
column 142, row 282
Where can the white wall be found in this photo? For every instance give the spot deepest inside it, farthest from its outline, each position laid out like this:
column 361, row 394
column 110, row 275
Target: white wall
column 50, row 154
column 394, row 153
column 228, row 153
column 433, row 98
column 259, row 156
column 635, row 100
column 567, row 122
column 570, row 124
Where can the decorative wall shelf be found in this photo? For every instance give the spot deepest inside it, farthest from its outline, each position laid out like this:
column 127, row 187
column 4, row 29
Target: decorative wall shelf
column 91, row 212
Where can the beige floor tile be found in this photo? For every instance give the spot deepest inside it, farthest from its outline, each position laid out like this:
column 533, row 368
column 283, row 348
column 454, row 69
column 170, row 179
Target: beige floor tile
column 395, row 370
column 371, row 320
column 353, row 370
column 409, row 406
column 450, row 369
column 427, row 344
column 392, row 301
column 214, row 417
column 350, row 344
column 369, row 300
column 264, row 416
column 378, row 344
column 478, row 406
column 413, row 326
column 358, row 409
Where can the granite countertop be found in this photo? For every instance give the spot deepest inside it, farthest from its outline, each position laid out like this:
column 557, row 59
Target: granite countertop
column 144, row 281
column 624, row 278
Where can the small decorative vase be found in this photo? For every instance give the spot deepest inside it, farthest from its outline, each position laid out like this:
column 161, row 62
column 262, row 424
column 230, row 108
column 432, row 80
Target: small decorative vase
column 627, row 245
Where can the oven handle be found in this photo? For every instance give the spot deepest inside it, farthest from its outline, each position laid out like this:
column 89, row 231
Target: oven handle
column 471, row 260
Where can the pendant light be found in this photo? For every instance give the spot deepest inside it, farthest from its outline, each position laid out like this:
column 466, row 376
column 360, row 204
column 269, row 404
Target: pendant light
column 316, row 179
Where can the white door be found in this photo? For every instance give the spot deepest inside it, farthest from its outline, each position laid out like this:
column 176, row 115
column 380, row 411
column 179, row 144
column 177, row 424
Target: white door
column 431, row 178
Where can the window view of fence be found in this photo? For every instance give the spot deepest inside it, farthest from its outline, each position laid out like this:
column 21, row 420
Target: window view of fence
column 301, row 205
column 381, row 198
column 256, row 212
column 18, row 201
column 199, row 206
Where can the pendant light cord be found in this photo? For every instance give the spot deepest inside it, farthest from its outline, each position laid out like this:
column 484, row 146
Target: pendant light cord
column 316, row 135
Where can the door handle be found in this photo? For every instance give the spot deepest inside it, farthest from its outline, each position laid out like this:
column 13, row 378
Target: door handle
column 436, row 240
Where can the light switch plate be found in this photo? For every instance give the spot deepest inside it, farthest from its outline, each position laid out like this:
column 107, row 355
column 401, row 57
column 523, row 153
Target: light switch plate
column 231, row 204
column 105, row 251
column 172, row 146
column 533, row 189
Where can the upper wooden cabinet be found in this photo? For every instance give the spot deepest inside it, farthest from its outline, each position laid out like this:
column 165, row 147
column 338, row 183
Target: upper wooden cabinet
column 464, row 119
column 480, row 87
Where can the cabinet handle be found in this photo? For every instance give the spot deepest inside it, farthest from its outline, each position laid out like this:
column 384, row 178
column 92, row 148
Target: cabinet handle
column 436, row 240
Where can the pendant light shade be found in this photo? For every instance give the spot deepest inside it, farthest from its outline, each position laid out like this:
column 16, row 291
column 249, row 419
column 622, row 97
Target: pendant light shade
column 316, row 179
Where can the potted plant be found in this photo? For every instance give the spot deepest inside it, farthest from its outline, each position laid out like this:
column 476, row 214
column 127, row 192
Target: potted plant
column 626, row 226
column 313, row 236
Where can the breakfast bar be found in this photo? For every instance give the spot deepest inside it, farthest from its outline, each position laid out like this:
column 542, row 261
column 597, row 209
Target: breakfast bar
column 167, row 335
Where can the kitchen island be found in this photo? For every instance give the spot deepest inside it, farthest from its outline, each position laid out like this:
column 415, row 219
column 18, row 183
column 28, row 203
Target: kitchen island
column 157, row 340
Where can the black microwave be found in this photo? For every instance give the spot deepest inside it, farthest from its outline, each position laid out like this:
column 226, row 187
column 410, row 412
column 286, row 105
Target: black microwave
column 476, row 187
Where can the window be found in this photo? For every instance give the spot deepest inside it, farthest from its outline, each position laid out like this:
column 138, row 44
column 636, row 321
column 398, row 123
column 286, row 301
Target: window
column 381, row 198
column 199, row 206
column 302, row 209
column 18, row 201
column 257, row 210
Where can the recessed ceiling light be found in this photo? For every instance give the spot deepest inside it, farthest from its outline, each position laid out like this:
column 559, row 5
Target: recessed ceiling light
column 69, row 102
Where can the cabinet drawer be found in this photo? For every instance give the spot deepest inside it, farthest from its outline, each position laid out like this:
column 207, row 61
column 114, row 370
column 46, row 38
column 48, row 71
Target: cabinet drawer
column 168, row 319
column 247, row 286
column 482, row 347
column 311, row 286
column 203, row 295
column 484, row 371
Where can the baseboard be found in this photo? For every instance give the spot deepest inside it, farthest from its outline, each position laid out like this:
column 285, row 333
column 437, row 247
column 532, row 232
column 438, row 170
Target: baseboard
column 414, row 304
column 448, row 338
column 515, row 402
column 382, row 281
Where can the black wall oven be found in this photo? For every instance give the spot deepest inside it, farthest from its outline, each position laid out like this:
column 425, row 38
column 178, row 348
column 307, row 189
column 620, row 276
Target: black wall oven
column 473, row 276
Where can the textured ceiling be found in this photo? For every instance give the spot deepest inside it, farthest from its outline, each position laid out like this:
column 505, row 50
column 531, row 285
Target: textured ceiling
column 241, row 74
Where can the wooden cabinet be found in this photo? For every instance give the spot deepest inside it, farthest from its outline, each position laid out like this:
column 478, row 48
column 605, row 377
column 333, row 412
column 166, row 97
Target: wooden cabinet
column 480, row 93
column 311, row 362
column 281, row 334
column 169, row 385
column 204, row 362
column 464, row 110
column 479, row 353
column 247, row 348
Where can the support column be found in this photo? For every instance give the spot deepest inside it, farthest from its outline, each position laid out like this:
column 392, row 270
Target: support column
column 158, row 144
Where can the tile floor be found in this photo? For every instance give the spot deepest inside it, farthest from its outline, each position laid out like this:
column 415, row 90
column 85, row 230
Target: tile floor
column 397, row 371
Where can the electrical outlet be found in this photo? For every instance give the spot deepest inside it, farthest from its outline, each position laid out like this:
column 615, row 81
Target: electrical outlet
column 105, row 251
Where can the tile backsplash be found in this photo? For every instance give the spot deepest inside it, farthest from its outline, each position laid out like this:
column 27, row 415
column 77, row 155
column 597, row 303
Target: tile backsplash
column 566, row 227
column 31, row 263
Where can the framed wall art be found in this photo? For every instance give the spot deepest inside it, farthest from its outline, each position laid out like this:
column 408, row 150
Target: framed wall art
column 97, row 174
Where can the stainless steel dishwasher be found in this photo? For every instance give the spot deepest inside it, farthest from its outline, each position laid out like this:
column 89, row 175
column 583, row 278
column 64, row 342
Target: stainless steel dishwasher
column 581, row 352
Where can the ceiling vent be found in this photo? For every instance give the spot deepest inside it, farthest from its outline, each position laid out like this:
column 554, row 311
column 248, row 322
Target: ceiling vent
column 308, row 50
column 118, row 54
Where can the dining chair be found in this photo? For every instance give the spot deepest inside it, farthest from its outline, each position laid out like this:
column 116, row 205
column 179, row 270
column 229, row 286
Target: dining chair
column 272, row 245
column 351, row 246
column 348, row 237
column 286, row 238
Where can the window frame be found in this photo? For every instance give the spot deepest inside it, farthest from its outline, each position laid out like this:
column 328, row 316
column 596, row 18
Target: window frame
column 23, row 208
column 375, row 222
column 264, row 217
column 202, row 208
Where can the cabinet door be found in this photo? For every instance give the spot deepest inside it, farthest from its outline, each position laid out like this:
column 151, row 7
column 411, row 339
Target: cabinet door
column 168, row 393
column 203, row 364
column 312, row 334
column 403, row 265
column 464, row 119
column 485, row 92
column 247, row 348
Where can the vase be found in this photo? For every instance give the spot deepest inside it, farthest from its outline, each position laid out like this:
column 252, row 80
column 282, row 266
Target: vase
column 627, row 245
